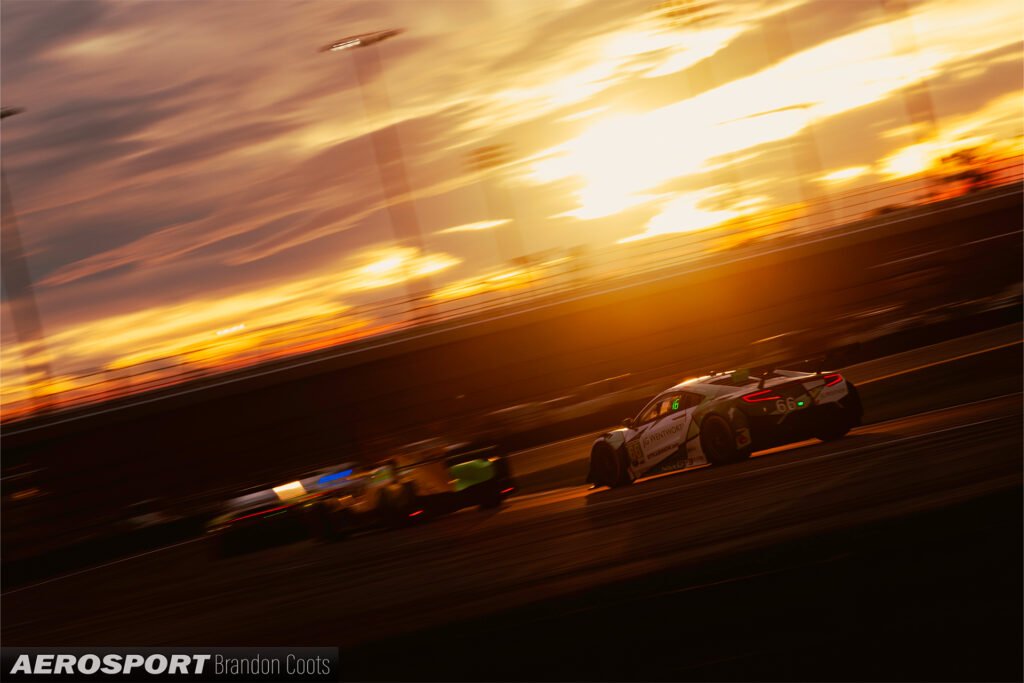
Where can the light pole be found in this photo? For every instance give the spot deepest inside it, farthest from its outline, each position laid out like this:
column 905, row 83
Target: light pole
column 17, row 283
column 805, row 147
column 678, row 15
column 917, row 101
column 388, row 151
column 483, row 161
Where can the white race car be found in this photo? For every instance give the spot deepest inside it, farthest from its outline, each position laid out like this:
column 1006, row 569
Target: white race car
column 723, row 418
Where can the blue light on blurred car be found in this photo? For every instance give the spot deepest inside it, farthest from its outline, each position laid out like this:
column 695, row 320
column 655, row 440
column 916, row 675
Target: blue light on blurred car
column 327, row 478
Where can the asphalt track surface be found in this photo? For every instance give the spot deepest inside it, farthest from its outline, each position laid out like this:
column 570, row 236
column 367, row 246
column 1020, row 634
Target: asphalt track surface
column 794, row 551
column 946, row 374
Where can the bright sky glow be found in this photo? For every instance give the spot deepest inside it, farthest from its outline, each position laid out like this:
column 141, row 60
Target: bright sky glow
column 167, row 190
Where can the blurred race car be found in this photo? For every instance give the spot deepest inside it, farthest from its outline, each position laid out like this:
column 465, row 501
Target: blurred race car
column 254, row 524
column 448, row 477
column 426, row 479
column 722, row 418
column 271, row 515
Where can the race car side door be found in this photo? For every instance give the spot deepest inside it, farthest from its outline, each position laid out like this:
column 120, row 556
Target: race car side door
column 664, row 424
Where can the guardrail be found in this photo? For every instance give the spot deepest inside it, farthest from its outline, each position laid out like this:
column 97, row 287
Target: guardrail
column 529, row 281
column 42, row 537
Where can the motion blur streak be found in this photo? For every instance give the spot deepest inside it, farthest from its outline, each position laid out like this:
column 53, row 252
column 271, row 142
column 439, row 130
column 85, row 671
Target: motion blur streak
column 344, row 208
column 595, row 532
column 320, row 320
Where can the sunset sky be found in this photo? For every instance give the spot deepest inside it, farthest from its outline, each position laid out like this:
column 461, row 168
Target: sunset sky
column 185, row 173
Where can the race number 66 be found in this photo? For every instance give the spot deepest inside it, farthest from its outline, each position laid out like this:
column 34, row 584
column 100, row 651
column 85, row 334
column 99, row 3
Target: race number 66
column 785, row 405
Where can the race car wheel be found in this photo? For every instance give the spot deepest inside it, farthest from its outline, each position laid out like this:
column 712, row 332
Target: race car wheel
column 491, row 499
column 224, row 545
column 389, row 505
column 834, row 422
column 719, row 442
column 334, row 525
column 836, row 419
column 609, row 467
column 852, row 403
column 405, row 500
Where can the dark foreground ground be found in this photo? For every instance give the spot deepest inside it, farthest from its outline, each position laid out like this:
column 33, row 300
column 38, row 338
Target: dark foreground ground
column 933, row 596
column 893, row 554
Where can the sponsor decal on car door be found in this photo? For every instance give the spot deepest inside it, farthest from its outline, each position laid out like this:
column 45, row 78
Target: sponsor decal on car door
column 663, row 437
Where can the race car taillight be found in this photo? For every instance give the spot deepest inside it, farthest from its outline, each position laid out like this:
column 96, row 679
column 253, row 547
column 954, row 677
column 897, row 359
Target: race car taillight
column 257, row 514
column 763, row 395
column 833, row 379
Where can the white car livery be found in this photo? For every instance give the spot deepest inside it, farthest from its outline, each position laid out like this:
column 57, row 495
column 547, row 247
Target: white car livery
column 722, row 418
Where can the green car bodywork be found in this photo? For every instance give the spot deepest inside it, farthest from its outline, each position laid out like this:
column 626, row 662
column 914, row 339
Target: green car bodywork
column 471, row 473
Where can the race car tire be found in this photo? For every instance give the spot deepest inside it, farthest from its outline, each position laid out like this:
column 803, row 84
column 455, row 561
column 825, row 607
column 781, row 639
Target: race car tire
column 853, row 404
column 718, row 441
column 837, row 419
column 316, row 521
column 609, row 467
column 405, row 499
column 389, row 506
column 834, row 422
column 224, row 546
column 491, row 500
column 335, row 525
column 232, row 543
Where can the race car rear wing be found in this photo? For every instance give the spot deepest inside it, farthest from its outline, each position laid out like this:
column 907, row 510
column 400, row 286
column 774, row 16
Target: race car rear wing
column 817, row 363
column 451, row 455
